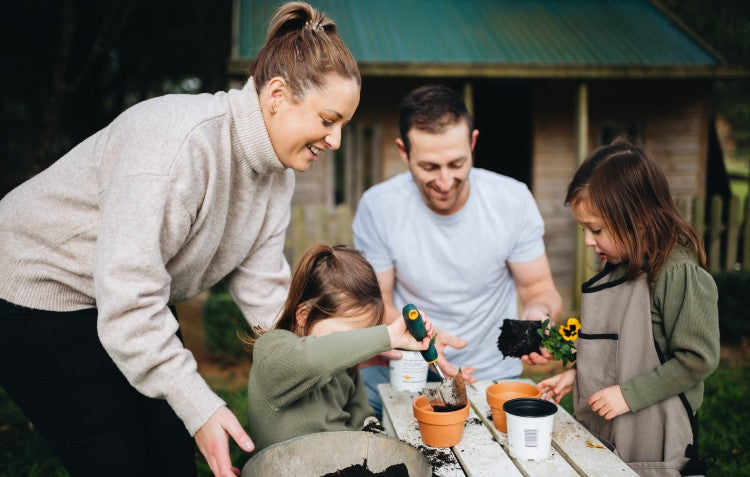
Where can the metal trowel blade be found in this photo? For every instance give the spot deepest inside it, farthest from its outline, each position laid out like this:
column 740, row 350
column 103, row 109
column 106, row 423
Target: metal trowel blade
column 449, row 395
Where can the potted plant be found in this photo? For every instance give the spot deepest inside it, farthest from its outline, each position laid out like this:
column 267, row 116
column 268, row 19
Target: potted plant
column 518, row 338
column 439, row 429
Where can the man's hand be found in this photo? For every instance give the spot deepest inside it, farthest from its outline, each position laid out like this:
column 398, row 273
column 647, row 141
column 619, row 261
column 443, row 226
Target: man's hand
column 609, row 402
column 381, row 359
column 542, row 357
column 213, row 442
column 535, row 313
column 446, row 339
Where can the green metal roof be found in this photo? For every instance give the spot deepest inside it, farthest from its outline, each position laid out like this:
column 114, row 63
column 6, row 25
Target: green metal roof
column 497, row 33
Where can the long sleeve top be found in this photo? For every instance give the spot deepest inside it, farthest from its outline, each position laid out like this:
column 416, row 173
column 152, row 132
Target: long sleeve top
column 685, row 323
column 175, row 194
column 300, row 385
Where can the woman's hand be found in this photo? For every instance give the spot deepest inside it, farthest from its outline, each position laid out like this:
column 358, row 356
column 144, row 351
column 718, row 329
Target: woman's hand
column 403, row 339
column 559, row 385
column 213, row 442
column 609, row 402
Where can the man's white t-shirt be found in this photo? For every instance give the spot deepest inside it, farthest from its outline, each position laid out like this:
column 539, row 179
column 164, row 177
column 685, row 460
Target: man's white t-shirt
column 454, row 267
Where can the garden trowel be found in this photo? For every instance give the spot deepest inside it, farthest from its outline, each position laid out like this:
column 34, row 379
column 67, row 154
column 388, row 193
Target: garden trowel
column 451, row 393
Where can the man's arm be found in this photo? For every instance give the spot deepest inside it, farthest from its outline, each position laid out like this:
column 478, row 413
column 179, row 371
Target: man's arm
column 536, row 289
column 387, row 281
column 539, row 297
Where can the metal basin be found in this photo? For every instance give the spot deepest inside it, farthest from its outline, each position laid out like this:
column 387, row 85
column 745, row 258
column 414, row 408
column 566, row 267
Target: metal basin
column 318, row 454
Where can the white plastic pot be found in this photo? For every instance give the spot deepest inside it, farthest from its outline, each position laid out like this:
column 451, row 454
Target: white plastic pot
column 529, row 427
column 408, row 373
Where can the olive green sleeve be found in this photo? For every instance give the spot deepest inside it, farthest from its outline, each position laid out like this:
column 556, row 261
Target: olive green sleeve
column 685, row 322
column 288, row 366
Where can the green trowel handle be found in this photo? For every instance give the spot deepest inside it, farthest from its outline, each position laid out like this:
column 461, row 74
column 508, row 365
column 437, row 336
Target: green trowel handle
column 416, row 327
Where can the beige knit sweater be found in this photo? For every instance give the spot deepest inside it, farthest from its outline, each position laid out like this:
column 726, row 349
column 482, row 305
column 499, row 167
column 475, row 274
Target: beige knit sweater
column 175, row 194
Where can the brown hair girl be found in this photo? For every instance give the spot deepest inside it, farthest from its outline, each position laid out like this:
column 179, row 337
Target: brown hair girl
column 623, row 184
column 329, row 281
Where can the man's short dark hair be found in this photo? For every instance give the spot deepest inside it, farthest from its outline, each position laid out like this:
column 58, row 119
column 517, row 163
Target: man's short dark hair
column 432, row 108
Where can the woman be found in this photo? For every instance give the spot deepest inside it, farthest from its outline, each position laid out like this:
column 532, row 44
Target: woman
column 175, row 194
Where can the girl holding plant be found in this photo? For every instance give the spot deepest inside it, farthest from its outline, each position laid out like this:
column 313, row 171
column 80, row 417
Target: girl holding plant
column 649, row 320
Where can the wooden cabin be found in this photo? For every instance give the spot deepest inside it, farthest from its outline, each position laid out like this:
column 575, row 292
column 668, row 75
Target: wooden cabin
column 547, row 81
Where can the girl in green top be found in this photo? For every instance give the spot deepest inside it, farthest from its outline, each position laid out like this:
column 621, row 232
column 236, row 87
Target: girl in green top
column 304, row 377
column 649, row 320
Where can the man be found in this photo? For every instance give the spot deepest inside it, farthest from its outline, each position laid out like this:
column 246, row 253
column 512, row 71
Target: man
column 462, row 244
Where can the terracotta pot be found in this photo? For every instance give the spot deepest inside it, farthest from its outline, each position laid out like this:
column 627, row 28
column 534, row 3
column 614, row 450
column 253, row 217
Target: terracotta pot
column 439, row 429
column 503, row 391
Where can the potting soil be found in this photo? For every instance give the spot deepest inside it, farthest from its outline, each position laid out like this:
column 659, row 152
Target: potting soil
column 361, row 470
column 518, row 338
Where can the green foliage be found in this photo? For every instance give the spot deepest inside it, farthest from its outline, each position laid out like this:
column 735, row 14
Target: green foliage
column 724, row 428
column 222, row 320
column 23, row 452
column 559, row 339
column 734, row 305
column 725, row 26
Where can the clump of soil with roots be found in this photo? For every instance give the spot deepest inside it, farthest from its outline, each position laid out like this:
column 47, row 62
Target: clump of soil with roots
column 518, row 338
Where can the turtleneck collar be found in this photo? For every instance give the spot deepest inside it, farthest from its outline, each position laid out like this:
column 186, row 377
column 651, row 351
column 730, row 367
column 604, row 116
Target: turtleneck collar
column 251, row 145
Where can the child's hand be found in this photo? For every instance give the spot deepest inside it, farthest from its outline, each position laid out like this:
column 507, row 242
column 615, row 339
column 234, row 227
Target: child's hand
column 609, row 402
column 402, row 339
column 559, row 385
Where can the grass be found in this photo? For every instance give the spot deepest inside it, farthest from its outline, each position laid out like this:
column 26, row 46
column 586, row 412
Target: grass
column 724, row 424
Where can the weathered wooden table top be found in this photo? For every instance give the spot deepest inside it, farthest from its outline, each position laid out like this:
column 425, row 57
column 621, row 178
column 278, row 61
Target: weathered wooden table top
column 483, row 449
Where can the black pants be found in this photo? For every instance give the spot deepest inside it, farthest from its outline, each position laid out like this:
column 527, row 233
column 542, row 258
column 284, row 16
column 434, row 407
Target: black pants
column 56, row 370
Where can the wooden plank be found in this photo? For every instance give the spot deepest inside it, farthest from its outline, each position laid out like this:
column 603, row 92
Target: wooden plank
column 555, row 466
column 397, row 405
column 343, row 224
column 479, row 452
column 585, row 453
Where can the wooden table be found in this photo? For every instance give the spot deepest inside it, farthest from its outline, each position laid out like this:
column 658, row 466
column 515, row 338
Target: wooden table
column 483, row 449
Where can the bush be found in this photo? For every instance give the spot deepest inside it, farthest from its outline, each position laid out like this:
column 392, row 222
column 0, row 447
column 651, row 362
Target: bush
column 724, row 428
column 734, row 305
column 222, row 320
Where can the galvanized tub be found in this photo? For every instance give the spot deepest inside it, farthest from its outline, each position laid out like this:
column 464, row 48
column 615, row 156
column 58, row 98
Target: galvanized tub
column 318, row 454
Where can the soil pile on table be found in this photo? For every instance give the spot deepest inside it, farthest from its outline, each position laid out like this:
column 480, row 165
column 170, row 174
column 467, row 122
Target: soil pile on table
column 375, row 427
column 361, row 470
column 518, row 338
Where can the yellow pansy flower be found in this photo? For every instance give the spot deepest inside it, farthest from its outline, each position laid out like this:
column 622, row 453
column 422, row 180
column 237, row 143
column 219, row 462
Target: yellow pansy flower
column 570, row 330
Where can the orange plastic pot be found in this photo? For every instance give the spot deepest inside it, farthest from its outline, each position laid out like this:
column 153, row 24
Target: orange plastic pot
column 503, row 391
column 439, row 429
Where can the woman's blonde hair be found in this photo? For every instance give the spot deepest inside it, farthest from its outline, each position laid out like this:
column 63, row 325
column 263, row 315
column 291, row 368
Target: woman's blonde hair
column 329, row 281
column 623, row 184
column 303, row 47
